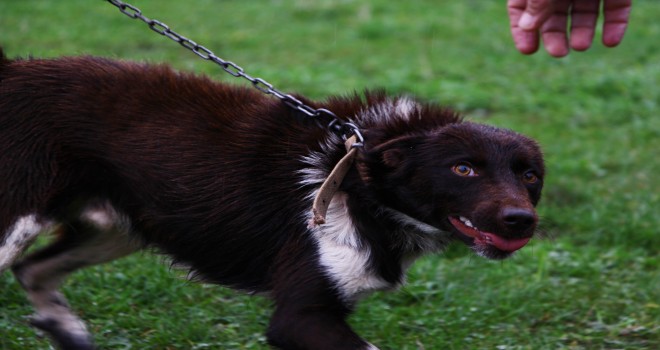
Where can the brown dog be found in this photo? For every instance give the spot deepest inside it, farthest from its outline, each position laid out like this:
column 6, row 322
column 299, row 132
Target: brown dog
column 114, row 157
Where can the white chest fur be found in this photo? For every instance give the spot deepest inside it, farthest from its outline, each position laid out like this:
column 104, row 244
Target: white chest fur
column 343, row 256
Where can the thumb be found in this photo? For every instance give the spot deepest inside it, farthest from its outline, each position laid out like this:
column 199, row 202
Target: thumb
column 536, row 12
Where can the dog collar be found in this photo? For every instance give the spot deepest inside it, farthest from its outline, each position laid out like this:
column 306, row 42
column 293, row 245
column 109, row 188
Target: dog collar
column 332, row 183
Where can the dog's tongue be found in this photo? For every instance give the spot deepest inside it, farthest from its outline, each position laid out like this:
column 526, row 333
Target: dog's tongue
column 487, row 238
column 507, row 245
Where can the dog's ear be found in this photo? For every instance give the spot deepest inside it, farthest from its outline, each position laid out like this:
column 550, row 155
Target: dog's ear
column 389, row 161
column 393, row 157
column 394, row 152
column 390, row 165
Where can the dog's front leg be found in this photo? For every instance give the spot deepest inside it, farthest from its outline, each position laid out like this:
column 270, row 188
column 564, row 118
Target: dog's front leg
column 319, row 327
column 309, row 312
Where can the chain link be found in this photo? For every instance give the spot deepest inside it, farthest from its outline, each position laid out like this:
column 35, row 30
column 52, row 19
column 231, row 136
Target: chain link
column 338, row 126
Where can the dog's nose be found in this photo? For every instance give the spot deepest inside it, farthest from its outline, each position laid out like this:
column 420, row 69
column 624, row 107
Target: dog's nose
column 518, row 219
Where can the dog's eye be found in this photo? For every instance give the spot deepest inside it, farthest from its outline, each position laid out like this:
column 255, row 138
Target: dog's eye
column 463, row 169
column 530, row 177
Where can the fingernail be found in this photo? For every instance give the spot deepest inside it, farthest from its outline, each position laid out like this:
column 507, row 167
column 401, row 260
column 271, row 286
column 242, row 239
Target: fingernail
column 526, row 21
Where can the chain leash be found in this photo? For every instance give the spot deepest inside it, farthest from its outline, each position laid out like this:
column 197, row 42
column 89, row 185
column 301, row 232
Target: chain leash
column 343, row 129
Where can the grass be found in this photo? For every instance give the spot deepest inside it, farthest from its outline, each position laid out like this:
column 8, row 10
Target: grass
column 593, row 283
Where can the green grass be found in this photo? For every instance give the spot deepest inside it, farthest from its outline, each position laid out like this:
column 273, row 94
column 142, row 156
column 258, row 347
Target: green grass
column 592, row 283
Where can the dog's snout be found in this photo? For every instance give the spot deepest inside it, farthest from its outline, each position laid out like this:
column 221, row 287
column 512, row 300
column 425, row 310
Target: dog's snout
column 518, row 219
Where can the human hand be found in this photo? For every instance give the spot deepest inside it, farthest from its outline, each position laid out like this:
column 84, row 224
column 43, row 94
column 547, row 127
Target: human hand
column 550, row 19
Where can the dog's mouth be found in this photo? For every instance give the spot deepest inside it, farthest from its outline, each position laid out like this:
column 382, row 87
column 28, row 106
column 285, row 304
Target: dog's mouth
column 468, row 233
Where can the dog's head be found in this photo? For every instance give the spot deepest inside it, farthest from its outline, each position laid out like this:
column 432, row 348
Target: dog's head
column 478, row 182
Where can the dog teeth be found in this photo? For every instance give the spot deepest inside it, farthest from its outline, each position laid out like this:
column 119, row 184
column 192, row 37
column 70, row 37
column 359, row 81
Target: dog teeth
column 467, row 222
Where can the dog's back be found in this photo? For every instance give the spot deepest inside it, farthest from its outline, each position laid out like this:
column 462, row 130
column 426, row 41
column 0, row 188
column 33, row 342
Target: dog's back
column 160, row 147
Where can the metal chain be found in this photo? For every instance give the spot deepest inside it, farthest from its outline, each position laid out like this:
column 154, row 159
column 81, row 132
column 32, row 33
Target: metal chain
column 338, row 126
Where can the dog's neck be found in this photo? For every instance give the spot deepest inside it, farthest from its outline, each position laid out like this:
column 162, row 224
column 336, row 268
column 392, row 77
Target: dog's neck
column 372, row 245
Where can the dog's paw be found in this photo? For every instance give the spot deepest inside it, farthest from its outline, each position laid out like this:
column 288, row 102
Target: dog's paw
column 65, row 339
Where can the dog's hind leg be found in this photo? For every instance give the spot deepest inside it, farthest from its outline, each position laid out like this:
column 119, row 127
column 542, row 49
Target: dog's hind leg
column 99, row 235
column 18, row 238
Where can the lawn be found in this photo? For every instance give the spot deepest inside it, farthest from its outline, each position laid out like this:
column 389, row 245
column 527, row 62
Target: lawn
column 591, row 282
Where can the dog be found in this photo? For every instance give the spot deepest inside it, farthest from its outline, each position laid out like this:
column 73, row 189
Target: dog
column 111, row 157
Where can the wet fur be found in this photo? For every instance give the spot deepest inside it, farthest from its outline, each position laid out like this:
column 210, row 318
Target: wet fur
column 116, row 156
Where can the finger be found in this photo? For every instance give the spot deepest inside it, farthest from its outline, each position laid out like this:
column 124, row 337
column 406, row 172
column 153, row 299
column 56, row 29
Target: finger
column 535, row 13
column 584, row 16
column 553, row 31
column 527, row 42
column 616, row 14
